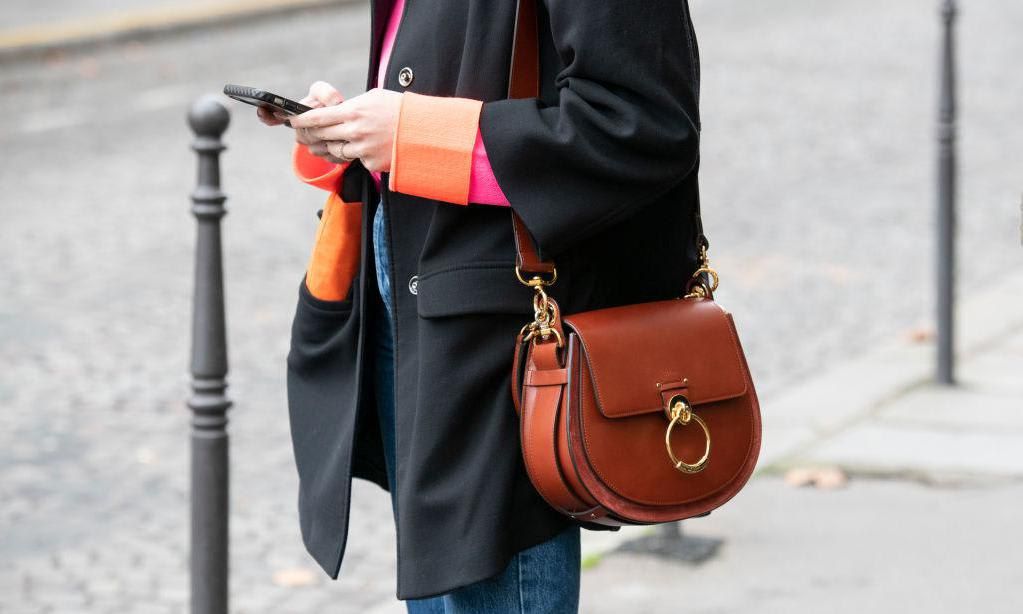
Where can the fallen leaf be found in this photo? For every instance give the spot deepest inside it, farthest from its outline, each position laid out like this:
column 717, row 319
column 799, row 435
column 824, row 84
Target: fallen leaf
column 825, row 478
column 831, row 478
column 921, row 334
column 294, row 576
column 799, row 477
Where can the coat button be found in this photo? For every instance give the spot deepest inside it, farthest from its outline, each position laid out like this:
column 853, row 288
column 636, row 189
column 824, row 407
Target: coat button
column 413, row 284
column 405, row 77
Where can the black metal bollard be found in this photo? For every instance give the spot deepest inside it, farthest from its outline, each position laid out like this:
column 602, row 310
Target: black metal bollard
column 946, row 199
column 209, row 403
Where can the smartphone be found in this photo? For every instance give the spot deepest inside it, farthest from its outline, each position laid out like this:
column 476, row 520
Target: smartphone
column 262, row 98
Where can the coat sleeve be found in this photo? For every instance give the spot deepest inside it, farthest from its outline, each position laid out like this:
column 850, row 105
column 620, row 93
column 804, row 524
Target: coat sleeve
column 625, row 127
column 438, row 152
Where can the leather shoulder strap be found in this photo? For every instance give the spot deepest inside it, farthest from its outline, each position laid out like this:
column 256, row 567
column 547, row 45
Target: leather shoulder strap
column 524, row 82
column 524, row 75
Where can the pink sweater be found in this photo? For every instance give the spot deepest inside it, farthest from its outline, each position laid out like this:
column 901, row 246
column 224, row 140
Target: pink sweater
column 483, row 187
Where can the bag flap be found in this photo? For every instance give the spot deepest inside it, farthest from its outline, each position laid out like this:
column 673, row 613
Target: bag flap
column 633, row 348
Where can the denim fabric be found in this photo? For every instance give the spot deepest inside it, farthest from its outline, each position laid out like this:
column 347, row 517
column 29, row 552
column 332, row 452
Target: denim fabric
column 382, row 256
column 542, row 578
column 383, row 343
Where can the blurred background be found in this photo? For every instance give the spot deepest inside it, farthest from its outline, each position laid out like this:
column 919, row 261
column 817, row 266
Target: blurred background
column 878, row 490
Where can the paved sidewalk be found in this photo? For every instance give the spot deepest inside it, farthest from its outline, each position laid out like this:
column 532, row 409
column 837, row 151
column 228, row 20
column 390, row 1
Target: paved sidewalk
column 928, row 523
column 881, row 414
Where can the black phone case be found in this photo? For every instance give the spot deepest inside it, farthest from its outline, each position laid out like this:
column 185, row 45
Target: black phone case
column 261, row 98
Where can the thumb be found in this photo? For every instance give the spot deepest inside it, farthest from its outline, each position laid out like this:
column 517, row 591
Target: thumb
column 325, row 94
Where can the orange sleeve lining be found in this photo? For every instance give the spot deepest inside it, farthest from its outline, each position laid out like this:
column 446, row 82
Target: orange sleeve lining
column 433, row 145
column 316, row 171
column 335, row 258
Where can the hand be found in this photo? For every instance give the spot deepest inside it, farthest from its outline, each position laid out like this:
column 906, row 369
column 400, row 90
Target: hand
column 363, row 127
column 271, row 117
column 321, row 94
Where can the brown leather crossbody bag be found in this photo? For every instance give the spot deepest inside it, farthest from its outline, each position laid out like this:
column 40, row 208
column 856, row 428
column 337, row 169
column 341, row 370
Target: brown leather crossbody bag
column 635, row 414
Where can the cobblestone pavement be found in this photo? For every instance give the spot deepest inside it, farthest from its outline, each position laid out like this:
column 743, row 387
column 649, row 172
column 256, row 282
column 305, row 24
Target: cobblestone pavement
column 817, row 173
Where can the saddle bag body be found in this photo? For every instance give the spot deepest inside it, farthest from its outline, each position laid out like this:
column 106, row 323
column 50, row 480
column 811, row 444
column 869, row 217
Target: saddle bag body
column 637, row 414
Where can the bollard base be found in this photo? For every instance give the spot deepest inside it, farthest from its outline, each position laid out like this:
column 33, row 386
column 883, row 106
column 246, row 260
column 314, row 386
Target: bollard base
column 675, row 546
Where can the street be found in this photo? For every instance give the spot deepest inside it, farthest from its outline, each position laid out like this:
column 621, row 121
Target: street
column 817, row 182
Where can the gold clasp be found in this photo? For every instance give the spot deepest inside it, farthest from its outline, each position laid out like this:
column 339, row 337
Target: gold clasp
column 681, row 412
column 545, row 311
column 536, row 281
column 698, row 287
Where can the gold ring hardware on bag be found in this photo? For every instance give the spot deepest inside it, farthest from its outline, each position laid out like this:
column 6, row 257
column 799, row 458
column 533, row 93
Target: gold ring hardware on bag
column 681, row 412
column 700, row 289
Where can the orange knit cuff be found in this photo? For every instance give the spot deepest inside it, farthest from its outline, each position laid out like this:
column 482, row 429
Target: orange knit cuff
column 433, row 143
column 316, row 171
column 335, row 258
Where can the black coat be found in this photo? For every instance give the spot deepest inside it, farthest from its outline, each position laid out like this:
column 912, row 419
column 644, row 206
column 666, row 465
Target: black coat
column 601, row 168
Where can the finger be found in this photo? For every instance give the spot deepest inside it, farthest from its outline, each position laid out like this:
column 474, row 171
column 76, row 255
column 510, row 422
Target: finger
column 283, row 118
column 326, row 116
column 325, row 93
column 311, row 102
column 267, row 117
column 336, row 132
column 354, row 150
column 319, row 148
column 329, row 157
column 344, row 150
column 334, row 148
column 302, row 136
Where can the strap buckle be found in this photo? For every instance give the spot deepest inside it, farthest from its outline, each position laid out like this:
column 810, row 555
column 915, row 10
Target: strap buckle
column 536, row 280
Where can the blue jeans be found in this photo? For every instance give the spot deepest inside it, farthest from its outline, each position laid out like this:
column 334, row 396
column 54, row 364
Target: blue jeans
column 543, row 578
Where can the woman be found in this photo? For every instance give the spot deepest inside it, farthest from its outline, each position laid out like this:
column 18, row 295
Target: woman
column 404, row 330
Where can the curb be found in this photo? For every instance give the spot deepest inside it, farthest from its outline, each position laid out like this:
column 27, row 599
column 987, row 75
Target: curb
column 795, row 420
column 34, row 41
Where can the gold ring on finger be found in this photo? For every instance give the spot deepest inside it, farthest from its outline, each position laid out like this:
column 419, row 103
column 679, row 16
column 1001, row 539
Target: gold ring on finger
column 342, row 152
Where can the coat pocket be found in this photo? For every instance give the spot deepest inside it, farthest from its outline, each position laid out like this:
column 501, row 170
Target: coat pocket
column 321, row 364
column 322, row 383
column 477, row 287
